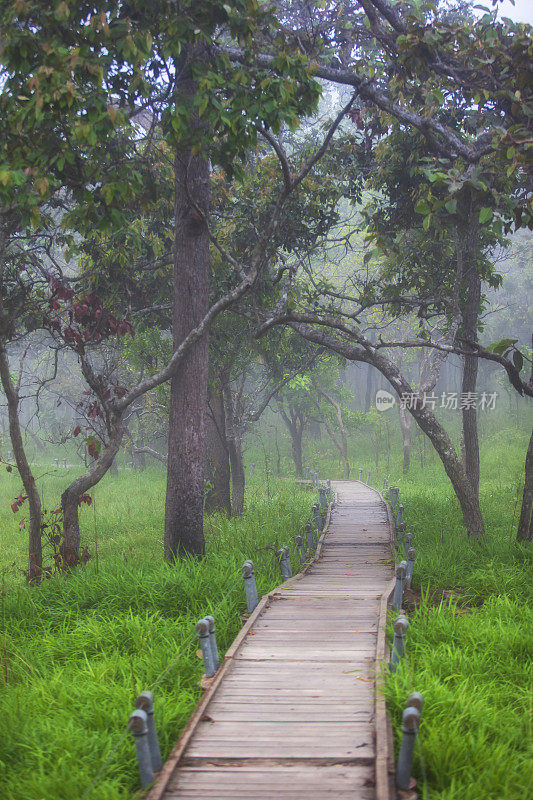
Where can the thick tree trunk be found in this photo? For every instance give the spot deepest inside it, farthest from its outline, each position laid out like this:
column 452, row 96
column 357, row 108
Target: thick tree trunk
column 525, row 524
column 295, row 425
column 184, row 533
column 35, row 553
column 296, row 446
column 216, row 457
column 370, row 382
column 340, row 443
column 70, row 548
column 237, row 475
column 405, row 425
column 466, row 247
column 278, row 454
column 234, row 440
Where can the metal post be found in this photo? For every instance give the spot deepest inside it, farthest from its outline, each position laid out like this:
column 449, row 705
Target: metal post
column 368, row 478
column 138, row 725
column 213, row 641
column 247, row 572
column 317, row 516
column 284, row 558
column 385, row 486
column 202, row 629
column 307, row 473
column 411, row 557
column 300, row 547
column 394, row 494
column 410, row 722
column 322, row 499
column 309, row 535
column 64, row 463
column 415, row 700
column 401, row 624
column 408, row 542
column 145, row 701
column 399, row 516
column 329, row 491
column 398, row 589
column 253, row 468
column 361, row 474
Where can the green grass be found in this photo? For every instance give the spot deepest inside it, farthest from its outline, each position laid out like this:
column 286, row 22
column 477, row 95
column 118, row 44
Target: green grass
column 470, row 639
column 76, row 651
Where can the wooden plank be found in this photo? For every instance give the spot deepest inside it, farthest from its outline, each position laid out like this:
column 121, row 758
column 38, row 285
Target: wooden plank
column 296, row 695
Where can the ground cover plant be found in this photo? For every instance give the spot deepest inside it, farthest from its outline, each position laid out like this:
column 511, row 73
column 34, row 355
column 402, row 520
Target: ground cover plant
column 470, row 640
column 76, row 650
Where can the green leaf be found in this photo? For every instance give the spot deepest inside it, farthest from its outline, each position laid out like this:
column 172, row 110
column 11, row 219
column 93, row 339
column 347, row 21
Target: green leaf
column 422, row 207
column 485, row 215
column 451, row 206
column 501, row 346
column 426, row 222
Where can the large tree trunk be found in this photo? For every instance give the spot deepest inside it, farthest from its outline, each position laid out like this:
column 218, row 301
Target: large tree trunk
column 370, row 381
column 295, row 425
column 341, row 441
column 184, row 532
column 525, row 524
column 216, row 457
column 405, row 425
column 234, row 440
column 35, row 553
column 466, row 246
column 70, row 548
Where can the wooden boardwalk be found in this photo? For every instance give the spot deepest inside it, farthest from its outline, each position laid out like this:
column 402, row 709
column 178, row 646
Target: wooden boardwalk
column 294, row 711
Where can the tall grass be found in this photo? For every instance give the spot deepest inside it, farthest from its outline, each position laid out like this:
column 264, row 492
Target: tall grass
column 74, row 652
column 470, row 639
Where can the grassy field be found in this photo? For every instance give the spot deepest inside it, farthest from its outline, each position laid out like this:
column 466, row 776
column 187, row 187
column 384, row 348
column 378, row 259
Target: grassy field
column 470, row 640
column 75, row 652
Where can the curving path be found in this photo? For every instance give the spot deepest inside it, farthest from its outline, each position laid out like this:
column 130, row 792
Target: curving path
column 294, row 712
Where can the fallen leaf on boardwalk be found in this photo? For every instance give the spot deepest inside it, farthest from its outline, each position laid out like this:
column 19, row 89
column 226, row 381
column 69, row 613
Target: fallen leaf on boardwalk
column 251, row 633
column 206, row 682
column 357, row 631
column 206, row 718
column 199, row 653
column 366, row 680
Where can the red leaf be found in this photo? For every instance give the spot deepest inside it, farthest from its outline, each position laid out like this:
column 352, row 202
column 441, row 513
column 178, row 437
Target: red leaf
column 14, row 507
column 76, row 430
column 9, row 468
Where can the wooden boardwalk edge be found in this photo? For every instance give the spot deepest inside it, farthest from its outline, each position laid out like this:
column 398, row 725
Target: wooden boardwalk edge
column 163, row 777
column 384, row 752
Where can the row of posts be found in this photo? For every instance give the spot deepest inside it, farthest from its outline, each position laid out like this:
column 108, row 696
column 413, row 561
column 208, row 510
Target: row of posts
column 142, row 726
column 415, row 701
column 141, row 722
column 367, row 476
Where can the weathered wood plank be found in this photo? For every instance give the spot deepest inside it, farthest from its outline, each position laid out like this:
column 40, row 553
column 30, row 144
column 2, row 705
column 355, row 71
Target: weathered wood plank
column 295, row 711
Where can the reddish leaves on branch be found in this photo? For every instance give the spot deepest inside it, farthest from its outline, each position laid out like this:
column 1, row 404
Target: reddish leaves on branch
column 17, row 503
column 88, row 320
column 85, row 498
column 77, row 430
